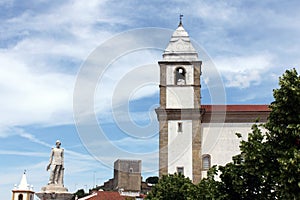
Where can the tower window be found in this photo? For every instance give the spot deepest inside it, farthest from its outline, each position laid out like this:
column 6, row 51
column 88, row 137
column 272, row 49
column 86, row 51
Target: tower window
column 180, row 170
column 20, row 197
column 180, row 76
column 130, row 170
column 206, row 161
column 179, row 127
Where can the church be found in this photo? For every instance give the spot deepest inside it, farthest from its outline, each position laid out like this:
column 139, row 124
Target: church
column 23, row 191
column 193, row 137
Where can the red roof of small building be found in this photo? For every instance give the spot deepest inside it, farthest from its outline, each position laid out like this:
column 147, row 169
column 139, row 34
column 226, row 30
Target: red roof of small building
column 104, row 195
column 241, row 108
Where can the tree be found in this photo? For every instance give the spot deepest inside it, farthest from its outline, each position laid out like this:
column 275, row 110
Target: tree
column 268, row 166
column 80, row 193
column 284, row 135
column 172, row 186
column 152, row 180
column 209, row 188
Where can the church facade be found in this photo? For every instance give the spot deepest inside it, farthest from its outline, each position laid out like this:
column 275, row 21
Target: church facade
column 193, row 137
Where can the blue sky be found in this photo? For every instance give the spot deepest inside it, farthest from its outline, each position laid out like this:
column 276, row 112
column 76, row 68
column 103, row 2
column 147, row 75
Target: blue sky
column 45, row 44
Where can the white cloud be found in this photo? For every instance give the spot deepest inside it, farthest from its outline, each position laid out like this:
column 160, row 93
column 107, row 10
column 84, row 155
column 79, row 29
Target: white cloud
column 30, row 97
column 242, row 71
column 22, row 153
column 212, row 12
column 130, row 77
column 138, row 146
column 34, row 79
column 33, row 90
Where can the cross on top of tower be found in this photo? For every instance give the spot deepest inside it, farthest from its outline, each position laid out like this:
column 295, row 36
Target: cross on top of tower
column 180, row 19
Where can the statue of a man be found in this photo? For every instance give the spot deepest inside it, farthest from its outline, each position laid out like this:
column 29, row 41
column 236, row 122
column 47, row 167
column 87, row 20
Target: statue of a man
column 57, row 163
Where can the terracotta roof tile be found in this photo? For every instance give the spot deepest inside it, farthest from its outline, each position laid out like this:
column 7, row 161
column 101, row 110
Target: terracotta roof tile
column 106, row 195
column 229, row 108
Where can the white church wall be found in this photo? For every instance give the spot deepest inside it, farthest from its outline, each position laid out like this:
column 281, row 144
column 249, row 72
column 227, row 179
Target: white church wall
column 180, row 147
column 180, row 97
column 26, row 195
column 220, row 140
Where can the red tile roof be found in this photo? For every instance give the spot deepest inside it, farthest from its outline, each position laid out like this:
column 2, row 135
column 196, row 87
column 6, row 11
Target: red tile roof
column 105, row 195
column 233, row 108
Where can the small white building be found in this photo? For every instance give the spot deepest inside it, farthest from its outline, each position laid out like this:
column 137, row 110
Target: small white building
column 23, row 191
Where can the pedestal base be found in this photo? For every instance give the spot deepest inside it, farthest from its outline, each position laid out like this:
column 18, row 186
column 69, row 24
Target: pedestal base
column 54, row 192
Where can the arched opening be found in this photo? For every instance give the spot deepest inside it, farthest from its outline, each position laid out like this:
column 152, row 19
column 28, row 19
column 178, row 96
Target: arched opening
column 20, row 197
column 206, row 162
column 180, row 76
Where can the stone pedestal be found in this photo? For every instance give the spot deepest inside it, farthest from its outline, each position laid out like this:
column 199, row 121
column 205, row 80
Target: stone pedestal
column 54, row 192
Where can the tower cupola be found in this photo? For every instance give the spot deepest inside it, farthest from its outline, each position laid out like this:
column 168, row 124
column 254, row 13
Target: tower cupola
column 180, row 47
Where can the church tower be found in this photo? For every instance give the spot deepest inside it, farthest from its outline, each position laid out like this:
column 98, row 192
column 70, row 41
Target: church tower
column 23, row 191
column 179, row 113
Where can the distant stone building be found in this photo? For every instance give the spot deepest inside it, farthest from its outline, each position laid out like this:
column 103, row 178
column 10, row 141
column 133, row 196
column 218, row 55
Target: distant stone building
column 127, row 178
column 108, row 185
column 127, row 175
column 23, row 191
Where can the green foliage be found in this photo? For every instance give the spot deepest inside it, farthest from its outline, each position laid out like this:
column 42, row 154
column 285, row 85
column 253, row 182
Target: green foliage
column 284, row 134
column 173, row 186
column 269, row 164
column 247, row 176
column 209, row 188
column 284, row 120
column 152, row 179
column 80, row 193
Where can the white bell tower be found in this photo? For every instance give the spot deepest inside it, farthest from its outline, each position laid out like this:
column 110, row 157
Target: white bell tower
column 23, row 191
column 179, row 113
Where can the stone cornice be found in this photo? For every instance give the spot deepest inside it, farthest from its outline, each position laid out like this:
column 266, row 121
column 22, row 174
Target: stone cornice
column 213, row 116
column 179, row 114
column 172, row 62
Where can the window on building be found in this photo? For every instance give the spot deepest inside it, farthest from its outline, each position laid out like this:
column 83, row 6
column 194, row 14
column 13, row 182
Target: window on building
column 179, row 127
column 20, row 197
column 180, row 170
column 180, row 76
column 206, row 162
column 130, row 170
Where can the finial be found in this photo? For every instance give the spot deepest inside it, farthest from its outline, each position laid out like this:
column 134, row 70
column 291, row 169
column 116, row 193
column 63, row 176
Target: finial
column 180, row 19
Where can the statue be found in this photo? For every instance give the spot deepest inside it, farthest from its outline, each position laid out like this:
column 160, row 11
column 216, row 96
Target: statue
column 55, row 188
column 57, row 163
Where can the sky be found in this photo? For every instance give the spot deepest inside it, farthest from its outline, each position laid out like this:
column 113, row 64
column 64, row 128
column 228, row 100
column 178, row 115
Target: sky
column 66, row 63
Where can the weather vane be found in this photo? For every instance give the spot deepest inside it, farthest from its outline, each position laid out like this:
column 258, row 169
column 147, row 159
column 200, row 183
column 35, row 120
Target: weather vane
column 180, row 18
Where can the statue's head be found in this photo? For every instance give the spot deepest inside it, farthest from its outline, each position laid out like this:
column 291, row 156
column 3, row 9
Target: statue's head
column 58, row 143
